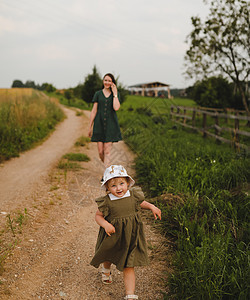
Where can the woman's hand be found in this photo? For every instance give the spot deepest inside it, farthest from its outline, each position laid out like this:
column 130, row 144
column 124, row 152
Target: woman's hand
column 114, row 89
column 109, row 228
column 116, row 102
column 90, row 133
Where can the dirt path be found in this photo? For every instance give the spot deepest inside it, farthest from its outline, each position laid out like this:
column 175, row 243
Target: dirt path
column 51, row 259
column 20, row 176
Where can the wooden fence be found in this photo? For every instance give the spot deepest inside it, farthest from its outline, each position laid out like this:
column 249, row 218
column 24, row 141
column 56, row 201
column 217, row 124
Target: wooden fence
column 189, row 116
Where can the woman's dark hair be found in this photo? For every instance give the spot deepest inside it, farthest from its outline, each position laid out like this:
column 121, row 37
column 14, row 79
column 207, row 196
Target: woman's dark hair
column 111, row 76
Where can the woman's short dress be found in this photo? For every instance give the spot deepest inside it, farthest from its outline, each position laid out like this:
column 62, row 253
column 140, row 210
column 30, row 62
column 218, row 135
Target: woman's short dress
column 106, row 127
column 127, row 247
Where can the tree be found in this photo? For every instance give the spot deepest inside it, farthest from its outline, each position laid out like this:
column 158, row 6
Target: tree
column 221, row 44
column 213, row 92
column 48, row 87
column 30, row 84
column 17, row 84
column 92, row 83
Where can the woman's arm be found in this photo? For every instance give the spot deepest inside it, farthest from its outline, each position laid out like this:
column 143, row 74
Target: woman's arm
column 108, row 227
column 116, row 102
column 92, row 117
column 155, row 210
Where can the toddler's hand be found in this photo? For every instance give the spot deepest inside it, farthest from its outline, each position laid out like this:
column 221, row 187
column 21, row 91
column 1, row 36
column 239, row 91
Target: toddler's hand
column 109, row 229
column 156, row 212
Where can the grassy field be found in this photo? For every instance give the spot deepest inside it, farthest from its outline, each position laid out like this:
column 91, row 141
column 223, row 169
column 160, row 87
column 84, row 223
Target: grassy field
column 26, row 117
column 203, row 191
column 159, row 108
column 157, row 105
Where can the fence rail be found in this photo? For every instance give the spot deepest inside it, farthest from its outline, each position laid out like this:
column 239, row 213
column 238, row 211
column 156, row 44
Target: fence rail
column 189, row 116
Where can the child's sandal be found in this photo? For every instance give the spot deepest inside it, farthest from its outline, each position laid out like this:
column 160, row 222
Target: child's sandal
column 130, row 297
column 106, row 279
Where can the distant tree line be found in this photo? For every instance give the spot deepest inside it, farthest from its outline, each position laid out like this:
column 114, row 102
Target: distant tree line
column 84, row 91
column 48, row 87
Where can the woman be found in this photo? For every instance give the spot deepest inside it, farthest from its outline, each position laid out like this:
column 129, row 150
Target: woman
column 106, row 129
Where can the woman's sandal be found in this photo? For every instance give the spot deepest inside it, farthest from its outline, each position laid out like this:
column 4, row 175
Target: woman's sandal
column 130, row 297
column 106, row 279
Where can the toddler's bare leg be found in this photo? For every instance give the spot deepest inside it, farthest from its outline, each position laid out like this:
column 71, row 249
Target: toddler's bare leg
column 129, row 280
column 106, row 273
column 107, row 264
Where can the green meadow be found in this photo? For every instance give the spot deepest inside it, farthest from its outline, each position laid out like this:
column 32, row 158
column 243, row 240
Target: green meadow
column 203, row 191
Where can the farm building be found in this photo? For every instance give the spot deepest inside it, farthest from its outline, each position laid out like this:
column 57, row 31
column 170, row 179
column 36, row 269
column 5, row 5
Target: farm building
column 152, row 89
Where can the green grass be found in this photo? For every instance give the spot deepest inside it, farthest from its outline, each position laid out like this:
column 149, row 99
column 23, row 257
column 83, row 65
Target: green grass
column 76, row 157
column 69, row 166
column 82, row 141
column 157, row 105
column 74, row 102
column 66, row 163
column 210, row 223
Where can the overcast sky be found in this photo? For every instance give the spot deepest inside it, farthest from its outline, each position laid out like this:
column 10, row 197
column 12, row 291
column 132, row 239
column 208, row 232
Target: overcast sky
column 59, row 41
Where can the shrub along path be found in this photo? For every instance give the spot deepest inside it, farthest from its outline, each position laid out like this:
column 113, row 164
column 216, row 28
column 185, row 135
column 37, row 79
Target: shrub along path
column 57, row 234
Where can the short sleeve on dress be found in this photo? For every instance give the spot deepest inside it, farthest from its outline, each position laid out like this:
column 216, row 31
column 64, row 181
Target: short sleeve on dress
column 138, row 194
column 95, row 98
column 102, row 206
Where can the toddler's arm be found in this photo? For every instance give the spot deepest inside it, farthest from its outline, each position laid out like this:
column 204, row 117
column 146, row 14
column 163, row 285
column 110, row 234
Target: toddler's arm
column 108, row 227
column 155, row 210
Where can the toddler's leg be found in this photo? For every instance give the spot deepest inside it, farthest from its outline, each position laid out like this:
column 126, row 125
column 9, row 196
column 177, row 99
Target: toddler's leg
column 106, row 273
column 129, row 280
column 107, row 264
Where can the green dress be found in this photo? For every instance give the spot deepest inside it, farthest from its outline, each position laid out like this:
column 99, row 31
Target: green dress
column 106, row 127
column 127, row 247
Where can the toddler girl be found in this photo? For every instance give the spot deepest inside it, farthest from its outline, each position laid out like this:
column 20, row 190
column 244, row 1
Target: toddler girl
column 121, row 240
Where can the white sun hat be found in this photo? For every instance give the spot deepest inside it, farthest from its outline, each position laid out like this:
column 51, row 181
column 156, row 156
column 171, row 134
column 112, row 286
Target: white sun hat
column 116, row 171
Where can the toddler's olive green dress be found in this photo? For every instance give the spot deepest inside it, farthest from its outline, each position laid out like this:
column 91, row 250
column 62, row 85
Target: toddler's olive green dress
column 127, row 246
column 106, row 127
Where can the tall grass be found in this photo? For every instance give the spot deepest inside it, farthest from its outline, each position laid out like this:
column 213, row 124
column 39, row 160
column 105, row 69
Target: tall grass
column 210, row 224
column 26, row 116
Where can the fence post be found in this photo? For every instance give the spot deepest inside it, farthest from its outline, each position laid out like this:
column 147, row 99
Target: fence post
column 204, row 124
column 193, row 117
column 217, row 132
column 178, row 111
column 226, row 119
column 184, row 119
column 236, row 128
column 172, row 111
